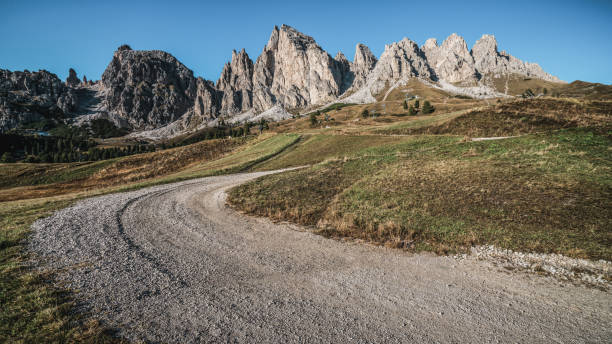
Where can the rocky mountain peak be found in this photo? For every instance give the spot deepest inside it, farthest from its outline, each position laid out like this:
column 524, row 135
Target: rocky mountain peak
column 150, row 89
column 430, row 44
column 363, row 62
column 147, row 89
column 72, row 80
column 452, row 60
column 294, row 71
column 236, row 82
column 404, row 59
column 273, row 40
column 364, row 57
column 456, row 44
column 486, row 44
column 124, row 47
column 298, row 39
column 341, row 58
column 488, row 61
column 31, row 96
column 238, row 73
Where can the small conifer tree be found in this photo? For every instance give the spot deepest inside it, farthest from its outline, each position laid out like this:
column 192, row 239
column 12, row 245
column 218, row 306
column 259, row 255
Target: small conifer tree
column 428, row 108
column 313, row 119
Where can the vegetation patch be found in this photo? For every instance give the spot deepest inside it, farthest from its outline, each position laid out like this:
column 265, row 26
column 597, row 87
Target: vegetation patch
column 26, row 181
column 316, row 148
column 521, row 117
column 540, row 193
column 32, row 310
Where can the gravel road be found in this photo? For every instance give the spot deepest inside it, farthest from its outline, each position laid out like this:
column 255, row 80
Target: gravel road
column 173, row 264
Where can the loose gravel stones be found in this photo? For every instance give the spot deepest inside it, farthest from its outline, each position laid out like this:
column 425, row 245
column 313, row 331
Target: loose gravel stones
column 173, row 264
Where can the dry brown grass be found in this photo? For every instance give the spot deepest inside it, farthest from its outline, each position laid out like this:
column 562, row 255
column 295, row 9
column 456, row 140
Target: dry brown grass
column 349, row 120
column 543, row 193
column 127, row 170
column 516, row 85
column 451, row 205
column 585, row 90
column 522, row 117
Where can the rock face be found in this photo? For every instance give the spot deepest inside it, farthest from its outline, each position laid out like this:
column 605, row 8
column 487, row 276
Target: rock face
column 208, row 102
column 295, row 72
column 72, row 80
column 450, row 66
column 488, row 60
column 236, row 83
column 33, row 96
column 147, row 89
column 399, row 62
column 451, row 61
column 152, row 90
column 363, row 63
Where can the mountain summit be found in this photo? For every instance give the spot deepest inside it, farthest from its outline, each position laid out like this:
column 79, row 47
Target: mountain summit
column 145, row 90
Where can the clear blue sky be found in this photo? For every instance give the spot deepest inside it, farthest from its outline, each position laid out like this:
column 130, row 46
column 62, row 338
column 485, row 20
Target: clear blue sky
column 570, row 39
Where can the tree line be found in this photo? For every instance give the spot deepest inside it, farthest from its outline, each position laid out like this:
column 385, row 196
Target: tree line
column 35, row 148
column 75, row 144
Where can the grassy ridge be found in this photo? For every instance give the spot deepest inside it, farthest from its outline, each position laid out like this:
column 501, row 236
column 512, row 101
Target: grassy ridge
column 543, row 193
column 24, row 174
column 45, row 180
column 515, row 118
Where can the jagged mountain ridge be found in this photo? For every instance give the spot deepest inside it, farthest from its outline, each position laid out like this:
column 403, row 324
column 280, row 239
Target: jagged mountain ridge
column 147, row 90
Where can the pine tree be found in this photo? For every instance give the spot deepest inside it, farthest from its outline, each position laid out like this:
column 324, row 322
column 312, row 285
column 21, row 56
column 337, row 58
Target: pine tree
column 313, row 119
column 365, row 113
column 417, row 104
column 428, row 108
column 405, row 105
column 412, row 111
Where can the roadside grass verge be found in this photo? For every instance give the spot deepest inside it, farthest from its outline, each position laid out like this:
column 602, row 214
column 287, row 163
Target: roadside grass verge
column 32, row 309
column 247, row 158
column 548, row 193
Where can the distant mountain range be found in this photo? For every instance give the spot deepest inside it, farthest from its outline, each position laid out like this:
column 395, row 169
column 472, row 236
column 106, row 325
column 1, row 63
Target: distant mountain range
column 152, row 91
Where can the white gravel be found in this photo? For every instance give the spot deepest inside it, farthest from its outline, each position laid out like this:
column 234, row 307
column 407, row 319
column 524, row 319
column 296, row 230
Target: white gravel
column 173, row 264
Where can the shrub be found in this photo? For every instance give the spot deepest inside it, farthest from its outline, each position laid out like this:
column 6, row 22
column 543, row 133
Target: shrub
column 7, row 157
column 428, row 108
column 412, row 111
column 313, row 119
column 365, row 113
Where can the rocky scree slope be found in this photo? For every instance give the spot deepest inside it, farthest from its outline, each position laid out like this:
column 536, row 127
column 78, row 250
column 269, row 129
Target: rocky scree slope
column 146, row 90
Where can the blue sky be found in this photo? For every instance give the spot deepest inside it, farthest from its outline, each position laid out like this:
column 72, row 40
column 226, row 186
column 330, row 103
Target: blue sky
column 570, row 39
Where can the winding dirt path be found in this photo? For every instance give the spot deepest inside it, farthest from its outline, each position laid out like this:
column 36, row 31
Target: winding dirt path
column 173, row 264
